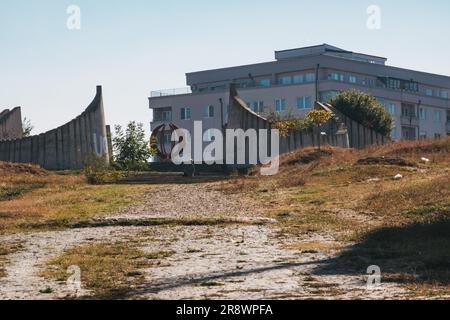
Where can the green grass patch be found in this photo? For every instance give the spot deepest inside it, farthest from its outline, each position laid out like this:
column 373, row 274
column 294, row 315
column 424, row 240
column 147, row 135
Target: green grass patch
column 9, row 192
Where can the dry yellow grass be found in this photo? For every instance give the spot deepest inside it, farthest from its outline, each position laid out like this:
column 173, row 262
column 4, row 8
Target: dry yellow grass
column 35, row 196
column 401, row 225
column 108, row 269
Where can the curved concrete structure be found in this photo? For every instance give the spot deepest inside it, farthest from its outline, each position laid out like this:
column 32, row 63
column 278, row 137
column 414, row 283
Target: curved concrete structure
column 65, row 147
column 11, row 124
column 341, row 131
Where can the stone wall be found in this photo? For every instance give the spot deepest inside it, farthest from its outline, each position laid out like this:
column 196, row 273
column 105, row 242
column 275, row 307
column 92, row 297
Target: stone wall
column 65, row 147
column 11, row 124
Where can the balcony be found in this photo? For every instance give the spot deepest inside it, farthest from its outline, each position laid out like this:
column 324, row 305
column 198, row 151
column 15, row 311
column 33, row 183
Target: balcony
column 162, row 115
column 412, row 120
column 170, row 92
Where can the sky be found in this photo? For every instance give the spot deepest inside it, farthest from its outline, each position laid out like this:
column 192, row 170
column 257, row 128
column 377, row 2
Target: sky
column 133, row 47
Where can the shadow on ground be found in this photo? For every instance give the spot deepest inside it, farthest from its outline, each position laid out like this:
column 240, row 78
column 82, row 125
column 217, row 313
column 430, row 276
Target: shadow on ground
column 418, row 253
column 171, row 178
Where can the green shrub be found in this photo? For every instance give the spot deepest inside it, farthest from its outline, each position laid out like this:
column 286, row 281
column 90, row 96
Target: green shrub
column 365, row 109
column 97, row 172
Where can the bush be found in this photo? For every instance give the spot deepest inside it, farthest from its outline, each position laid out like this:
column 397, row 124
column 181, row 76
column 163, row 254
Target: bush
column 97, row 172
column 365, row 109
column 286, row 123
column 132, row 151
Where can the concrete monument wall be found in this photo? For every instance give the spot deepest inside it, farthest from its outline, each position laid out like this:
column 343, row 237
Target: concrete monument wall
column 11, row 124
column 340, row 131
column 66, row 147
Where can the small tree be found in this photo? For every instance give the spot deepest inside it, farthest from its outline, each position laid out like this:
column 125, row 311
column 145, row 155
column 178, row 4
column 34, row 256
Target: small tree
column 27, row 127
column 365, row 109
column 131, row 148
column 318, row 118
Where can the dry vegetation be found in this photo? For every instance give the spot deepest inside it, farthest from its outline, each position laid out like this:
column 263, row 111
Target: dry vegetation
column 32, row 196
column 402, row 225
column 109, row 270
column 335, row 199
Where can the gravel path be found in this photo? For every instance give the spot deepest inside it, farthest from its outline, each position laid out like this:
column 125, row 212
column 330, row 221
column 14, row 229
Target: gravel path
column 213, row 262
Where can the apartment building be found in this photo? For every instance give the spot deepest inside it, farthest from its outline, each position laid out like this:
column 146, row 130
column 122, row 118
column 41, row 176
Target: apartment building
column 418, row 101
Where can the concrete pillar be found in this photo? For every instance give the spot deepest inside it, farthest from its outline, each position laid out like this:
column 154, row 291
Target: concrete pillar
column 72, row 148
column 25, row 150
column 50, row 150
column 59, row 149
column 41, row 150
column 34, row 149
column 77, row 138
column 66, row 147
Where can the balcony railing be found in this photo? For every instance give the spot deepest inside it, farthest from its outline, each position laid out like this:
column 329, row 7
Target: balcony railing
column 170, row 92
column 409, row 120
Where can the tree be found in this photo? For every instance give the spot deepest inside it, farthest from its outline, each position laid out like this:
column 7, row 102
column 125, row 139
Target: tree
column 365, row 109
column 130, row 147
column 318, row 118
column 27, row 127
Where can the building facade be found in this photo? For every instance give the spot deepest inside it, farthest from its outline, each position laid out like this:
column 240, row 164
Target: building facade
column 418, row 101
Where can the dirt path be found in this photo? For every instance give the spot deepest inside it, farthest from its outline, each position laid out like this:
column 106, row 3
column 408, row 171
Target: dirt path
column 22, row 280
column 214, row 262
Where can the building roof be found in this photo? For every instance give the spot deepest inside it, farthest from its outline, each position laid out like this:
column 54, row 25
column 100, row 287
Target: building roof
column 330, row 50
column 327, row 56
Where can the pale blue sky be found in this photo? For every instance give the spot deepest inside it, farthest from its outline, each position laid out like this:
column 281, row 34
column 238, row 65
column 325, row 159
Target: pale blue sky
column 135, row 46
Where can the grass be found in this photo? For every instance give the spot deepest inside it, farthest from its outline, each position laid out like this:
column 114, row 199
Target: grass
column 32, row 196
column 109, row 270
column 144, row 222
column 351, row 195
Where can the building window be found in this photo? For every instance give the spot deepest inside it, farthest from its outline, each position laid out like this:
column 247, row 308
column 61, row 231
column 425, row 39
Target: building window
column 352, row 79
column 166, row 116
column 301, row 103
column 394, row 132
column 304, row 103
column 286, row 80
column 299, row 79
column 336, row 77
column 310, row 77
column 393, row 83
column 208, row 112
column 429, row 92
column 185, row 113
column 308, row 103
column 280, row 105
column 437, row 116
column 369, row 82
column 258, row 106
column 265, row 82
column 167, row 138
column 326, row 96
column 333, row 76
column 408, row 110
column 444, row 94
column 423, row 114
column 391, row 108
